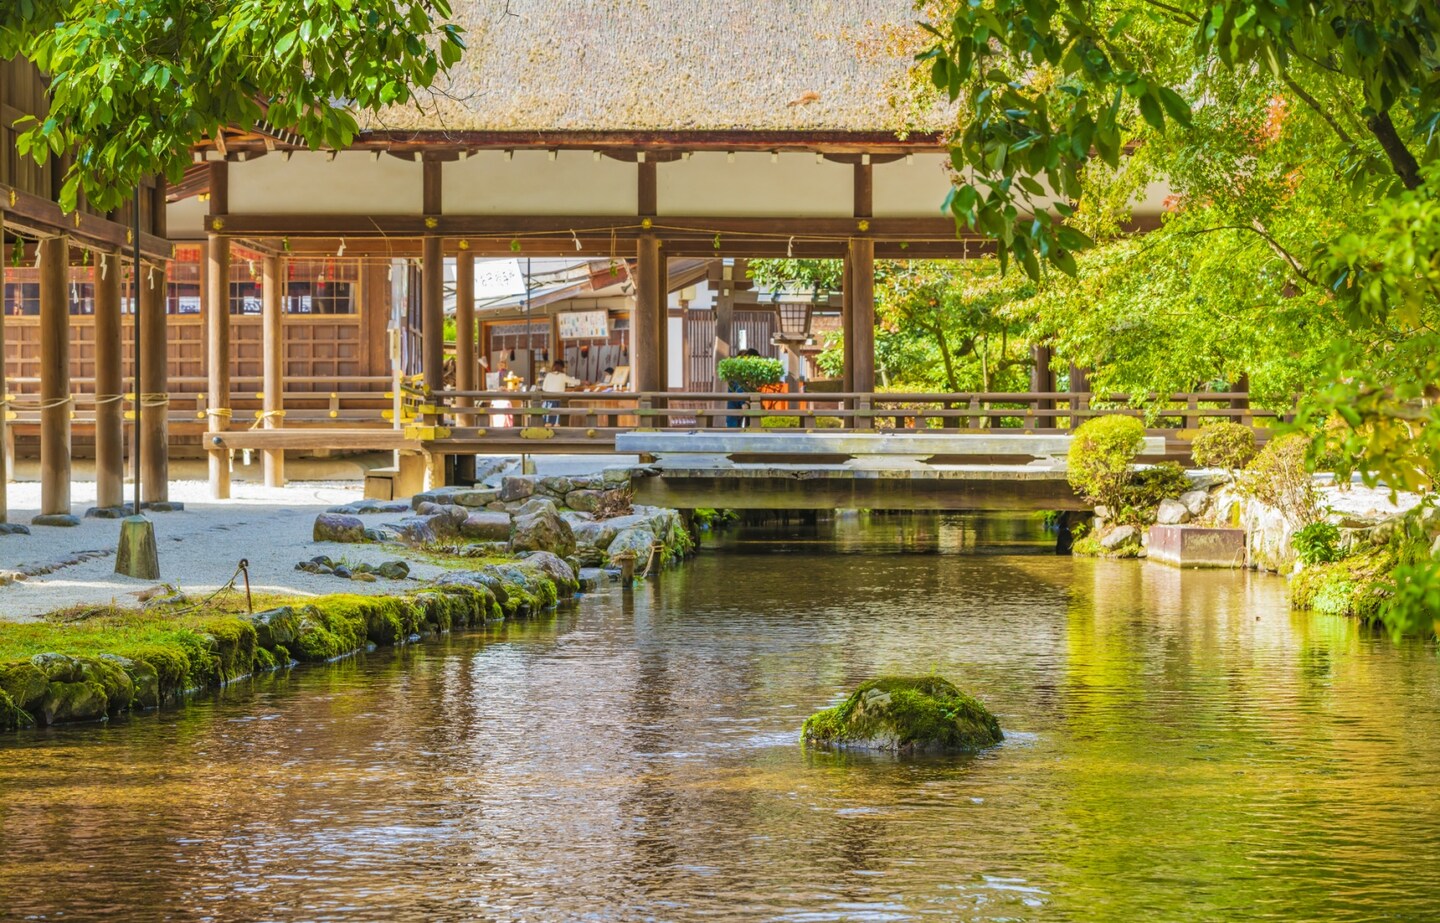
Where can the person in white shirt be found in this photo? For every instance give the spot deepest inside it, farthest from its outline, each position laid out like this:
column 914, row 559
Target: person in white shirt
column 555, row 382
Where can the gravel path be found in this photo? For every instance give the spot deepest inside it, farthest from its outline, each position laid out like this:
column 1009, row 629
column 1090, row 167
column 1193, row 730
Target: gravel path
column 199, row 547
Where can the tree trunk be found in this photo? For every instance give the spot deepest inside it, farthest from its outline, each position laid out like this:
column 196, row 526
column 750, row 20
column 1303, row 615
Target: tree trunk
column 1400, row 157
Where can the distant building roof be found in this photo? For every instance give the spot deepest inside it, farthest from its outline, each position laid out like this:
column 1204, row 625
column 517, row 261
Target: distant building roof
column 674, row 65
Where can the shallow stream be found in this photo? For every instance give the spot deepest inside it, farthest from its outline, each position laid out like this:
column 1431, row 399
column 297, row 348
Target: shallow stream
column 1180, row 746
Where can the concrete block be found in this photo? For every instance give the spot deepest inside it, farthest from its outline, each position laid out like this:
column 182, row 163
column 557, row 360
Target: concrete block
column 1197, row 546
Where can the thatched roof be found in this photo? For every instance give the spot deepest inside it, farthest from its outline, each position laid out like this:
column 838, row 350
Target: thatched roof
column 674, row 65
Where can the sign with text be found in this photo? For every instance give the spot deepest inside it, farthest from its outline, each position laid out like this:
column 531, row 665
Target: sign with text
column 498, row 279
column 584, row 325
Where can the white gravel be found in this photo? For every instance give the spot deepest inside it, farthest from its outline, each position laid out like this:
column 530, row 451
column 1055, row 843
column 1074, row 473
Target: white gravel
column 199, row 547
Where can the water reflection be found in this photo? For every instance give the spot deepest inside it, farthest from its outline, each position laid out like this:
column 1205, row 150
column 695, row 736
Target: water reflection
column 1180, row 746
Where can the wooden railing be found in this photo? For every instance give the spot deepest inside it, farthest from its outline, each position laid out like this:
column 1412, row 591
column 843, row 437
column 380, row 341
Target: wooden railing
column 997, row 411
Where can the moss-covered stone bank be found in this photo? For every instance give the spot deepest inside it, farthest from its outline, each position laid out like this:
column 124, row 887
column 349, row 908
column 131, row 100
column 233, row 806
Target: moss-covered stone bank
column 905, row 714
column 87, row 666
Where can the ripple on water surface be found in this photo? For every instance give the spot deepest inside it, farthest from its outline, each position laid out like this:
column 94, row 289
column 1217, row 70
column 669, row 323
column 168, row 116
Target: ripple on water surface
column 1179, row 746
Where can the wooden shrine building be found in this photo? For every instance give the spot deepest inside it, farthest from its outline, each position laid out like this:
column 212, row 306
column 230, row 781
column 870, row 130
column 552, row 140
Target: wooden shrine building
column 291, row 286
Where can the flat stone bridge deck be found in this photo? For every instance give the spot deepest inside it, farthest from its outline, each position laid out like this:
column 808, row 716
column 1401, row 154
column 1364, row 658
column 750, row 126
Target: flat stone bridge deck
column 891, row 471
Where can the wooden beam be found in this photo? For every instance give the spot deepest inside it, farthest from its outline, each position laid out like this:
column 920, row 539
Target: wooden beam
column 55, row 399
column 466, row 369
column 109, row 384
column 155, row 387
column 507, row 227
column 432, row 195
column 273, row 364
column 219, row 188
column 43, row 218
column 865, row 192
column 645, row 348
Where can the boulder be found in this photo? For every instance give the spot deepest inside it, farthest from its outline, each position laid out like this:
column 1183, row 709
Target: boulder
column 313, row 567
column 516, row 487
column 63, row 520
column 542, row 530
column 590, row 579
column 25, row 684
column 453, row 513
column 1195, row 501
column 476, row 497
column 905, row 714
column 489, row 527
column 144, row 678
column 635, row 542
column 533, row 505
column 392, row 570
column 1120, row 537
column 276, row 626
column 14, row 528
column 563, row 575
column 338, row 527
column 1172, row 513
column 554, row 486
column 364, row 577
column 440, row 495
column 584, row 500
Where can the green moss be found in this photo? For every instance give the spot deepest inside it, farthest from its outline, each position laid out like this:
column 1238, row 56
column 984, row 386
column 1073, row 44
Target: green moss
column 1355, row 586
column 906, row 714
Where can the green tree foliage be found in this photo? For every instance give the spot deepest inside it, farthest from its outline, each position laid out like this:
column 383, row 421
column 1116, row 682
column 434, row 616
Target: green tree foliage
column 134, row 84
column 1224, row 445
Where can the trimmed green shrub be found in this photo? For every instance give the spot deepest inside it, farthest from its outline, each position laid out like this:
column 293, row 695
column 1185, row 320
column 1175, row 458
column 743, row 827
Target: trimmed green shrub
column 1101, row 457
column 750, row 372
column 1224, row 445
column 1147, row 487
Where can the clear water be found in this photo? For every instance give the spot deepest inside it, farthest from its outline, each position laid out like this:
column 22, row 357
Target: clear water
column 1180, row 747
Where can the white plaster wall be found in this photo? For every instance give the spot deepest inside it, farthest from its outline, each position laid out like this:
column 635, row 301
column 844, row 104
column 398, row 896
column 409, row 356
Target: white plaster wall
column 916, row 189
column 792, row 186
column 185, row 219
column 354, row 183
column 531, row 183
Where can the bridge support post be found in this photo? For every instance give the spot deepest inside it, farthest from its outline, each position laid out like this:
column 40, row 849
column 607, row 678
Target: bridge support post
column 862, row 316
column 55, row 401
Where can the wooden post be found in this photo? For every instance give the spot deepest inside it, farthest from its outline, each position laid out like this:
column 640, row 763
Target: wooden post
column 466, row 369
column 55, row 401
column 645, row 348
column 432, row 315
column 217, row 361
column 847, row 326
column 217, row 325
column 1079, row 395
column 109, row 386
column 155, row 385
column 1042, row 380
column 662, row 288
column 1242, row 403
column 4, row 383
column 272, row 320
column 862, row 309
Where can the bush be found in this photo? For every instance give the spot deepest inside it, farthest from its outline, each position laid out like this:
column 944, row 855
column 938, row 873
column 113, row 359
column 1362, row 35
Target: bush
column 779, row 422
column 1279, row 478
column 751, row 372
column 1318, row 543
column 1147, row 488
column 1100, row 459
column 1224, row 445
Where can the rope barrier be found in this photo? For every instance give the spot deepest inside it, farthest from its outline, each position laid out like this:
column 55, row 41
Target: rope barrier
column 262, row 415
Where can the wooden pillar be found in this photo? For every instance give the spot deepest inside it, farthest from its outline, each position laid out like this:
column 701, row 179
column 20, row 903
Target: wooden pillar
column 724, row 320
column 662, row 287
column 466, row 369
column 109, row 385
column 272, row 321
column 1042, row 380
column 55, row 400
column 862, row 310
column 155, row 385
column 432, row 315
column 4, row 379
column 847, row 324
column 1080, row 394
column 1242, row 386
column 217, row 325
column 645, row 345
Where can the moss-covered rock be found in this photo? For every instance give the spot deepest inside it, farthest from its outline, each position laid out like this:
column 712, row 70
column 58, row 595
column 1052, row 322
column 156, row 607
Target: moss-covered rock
column 905, row 714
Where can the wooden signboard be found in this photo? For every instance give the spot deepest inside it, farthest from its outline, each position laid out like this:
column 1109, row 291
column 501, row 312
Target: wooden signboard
column 584, row 325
